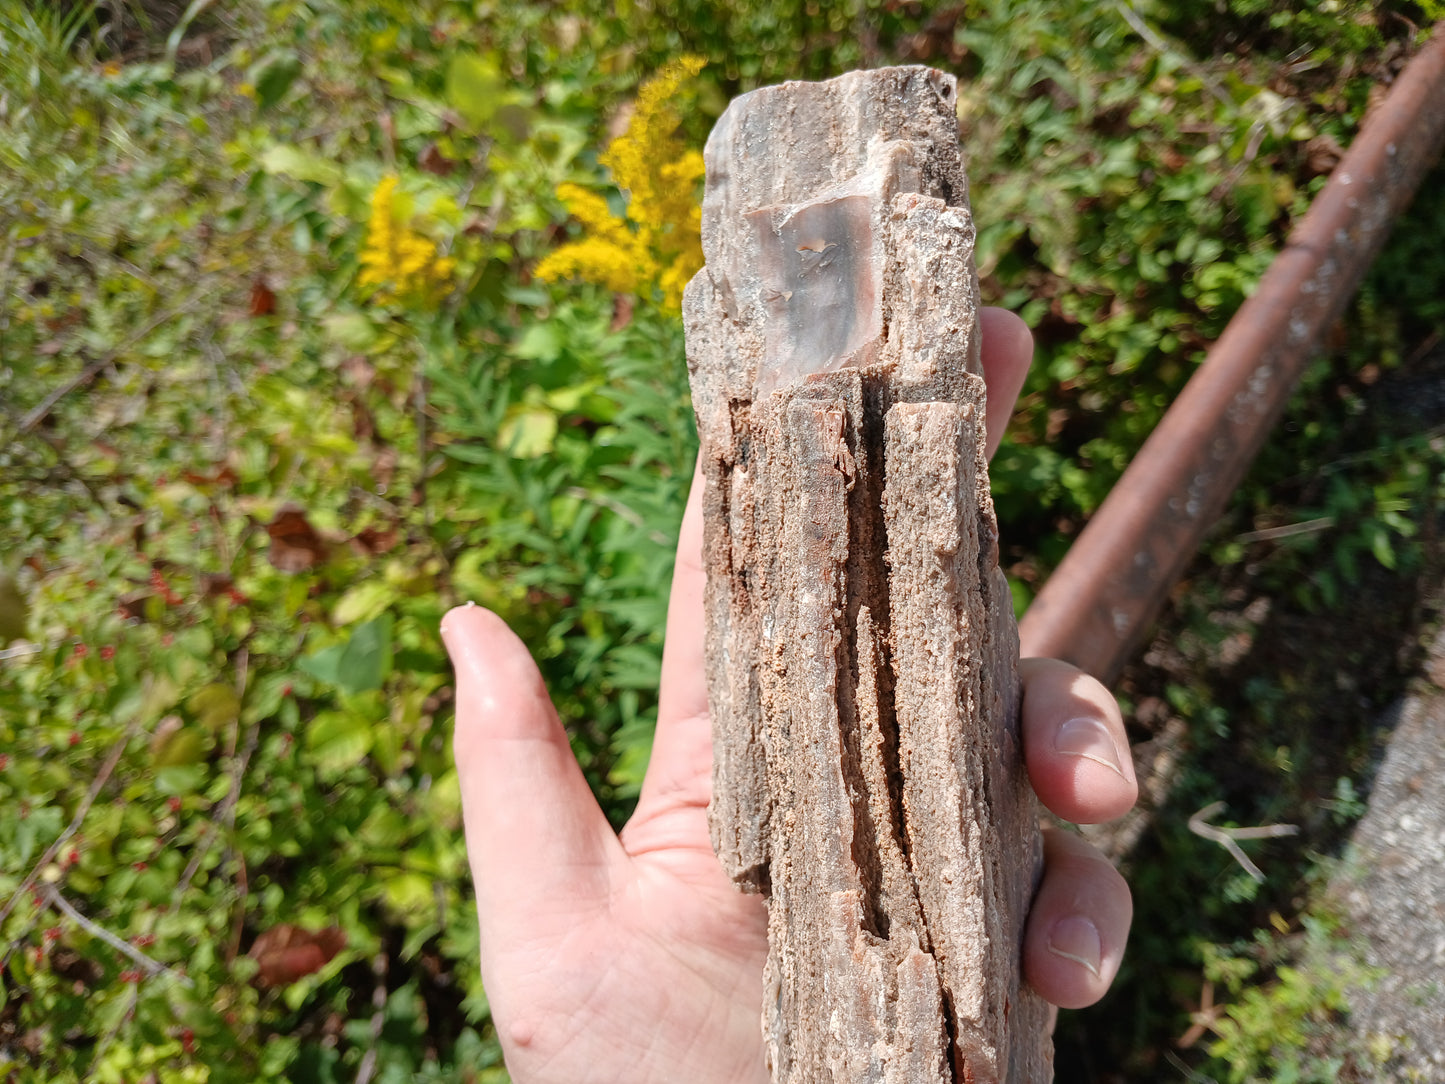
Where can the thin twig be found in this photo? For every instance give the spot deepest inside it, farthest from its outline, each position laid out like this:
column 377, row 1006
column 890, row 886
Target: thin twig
column 155, row 967
column 1287, row 530
column 1151, row 36
column 95, row 368
column 5, row 266
column 111, row 760
column 378, row 1019
column 419, row 402
column 62, row 466
column 20, row 650
column 226, row 814
column 19, row 940
column 173, row 42
column 109, row 1036
column 1184, row 1070
column 1226, row 837
column 238, row 921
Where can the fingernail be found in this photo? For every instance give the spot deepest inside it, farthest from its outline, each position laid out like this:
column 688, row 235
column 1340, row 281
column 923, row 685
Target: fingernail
column 1076, row 938
column 448, row 629
column 1090, row 738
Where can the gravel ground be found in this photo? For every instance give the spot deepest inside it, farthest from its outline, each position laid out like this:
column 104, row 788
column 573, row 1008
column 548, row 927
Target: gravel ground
column 1395, row 892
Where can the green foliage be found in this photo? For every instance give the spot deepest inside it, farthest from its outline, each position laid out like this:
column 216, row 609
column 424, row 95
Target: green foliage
column 1286, row 1029
column 238, row 489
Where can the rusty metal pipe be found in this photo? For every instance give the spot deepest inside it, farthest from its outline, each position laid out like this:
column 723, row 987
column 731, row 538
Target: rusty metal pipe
column 1101, row 599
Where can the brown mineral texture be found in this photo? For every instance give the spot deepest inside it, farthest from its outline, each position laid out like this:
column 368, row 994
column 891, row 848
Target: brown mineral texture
column 862, row 653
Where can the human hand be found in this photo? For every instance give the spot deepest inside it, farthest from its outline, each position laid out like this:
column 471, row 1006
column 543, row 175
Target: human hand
column 632, row 957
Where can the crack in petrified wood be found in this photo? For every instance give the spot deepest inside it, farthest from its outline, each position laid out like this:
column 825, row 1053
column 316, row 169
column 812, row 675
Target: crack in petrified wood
column 861, row 648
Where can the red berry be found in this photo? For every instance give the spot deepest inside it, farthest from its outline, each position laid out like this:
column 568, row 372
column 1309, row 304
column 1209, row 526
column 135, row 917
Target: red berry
column 167, row 640
column 174, row 804
column 52, row 934
column 188, row 1041
column 4, row 761
column 144, row 940
column 73, row 858
column 107, row 653
column 81, row 651
column 286, row 690
column 74, row 738
column 139, row 867
column 130, row 975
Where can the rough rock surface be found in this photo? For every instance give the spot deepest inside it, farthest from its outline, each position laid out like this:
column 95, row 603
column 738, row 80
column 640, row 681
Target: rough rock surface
column 862, row 654
column 1394, row 890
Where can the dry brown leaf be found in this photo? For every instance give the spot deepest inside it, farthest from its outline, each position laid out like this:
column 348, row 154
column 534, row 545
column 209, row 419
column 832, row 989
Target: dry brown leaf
column 371, row 541
column 622, row 307
column 295, row 544
column 383, row 467
column 1322, row 154
column 263, row 300
column 222, row 476
column 433, row 160
column 285, row 953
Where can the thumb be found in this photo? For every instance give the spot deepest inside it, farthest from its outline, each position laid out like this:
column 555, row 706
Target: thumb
column 537, row 841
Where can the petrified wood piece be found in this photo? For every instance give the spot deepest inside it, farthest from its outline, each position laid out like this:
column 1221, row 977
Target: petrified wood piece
column 862, row 654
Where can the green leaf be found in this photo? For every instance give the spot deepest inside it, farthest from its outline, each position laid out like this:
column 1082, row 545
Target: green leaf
column 568, row 400
column 339, row 739
column 444, row 801
column 514, row 121
column 540, row 342
column 215, row 706
column 633, row 666
column 14, row 611
column 323, row 665
column 528, row 432
column 474, row 87
column 410, row 895
column 363, row 602
column 1380, row 546
column 366, row 660
column 273, row 75
column 183, row 747
column 179, row 779
column 352, row 330
column 161, row 694
column 384, row 828
column 303, row 165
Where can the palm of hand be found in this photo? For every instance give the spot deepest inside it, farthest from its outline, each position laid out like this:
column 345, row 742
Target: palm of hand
column 633, row 958
column 660, row 969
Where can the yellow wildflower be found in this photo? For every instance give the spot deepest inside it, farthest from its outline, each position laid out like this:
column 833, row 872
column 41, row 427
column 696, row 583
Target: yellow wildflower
column 658, row 242
column 396, row 261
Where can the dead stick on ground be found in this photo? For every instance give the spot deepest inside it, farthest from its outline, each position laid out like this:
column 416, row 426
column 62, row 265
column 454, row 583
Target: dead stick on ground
column 154, row 967
column 1227, row 837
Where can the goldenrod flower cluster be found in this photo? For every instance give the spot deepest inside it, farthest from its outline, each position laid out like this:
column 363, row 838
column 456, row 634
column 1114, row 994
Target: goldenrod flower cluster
column 396, row 261
column 658, row 242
